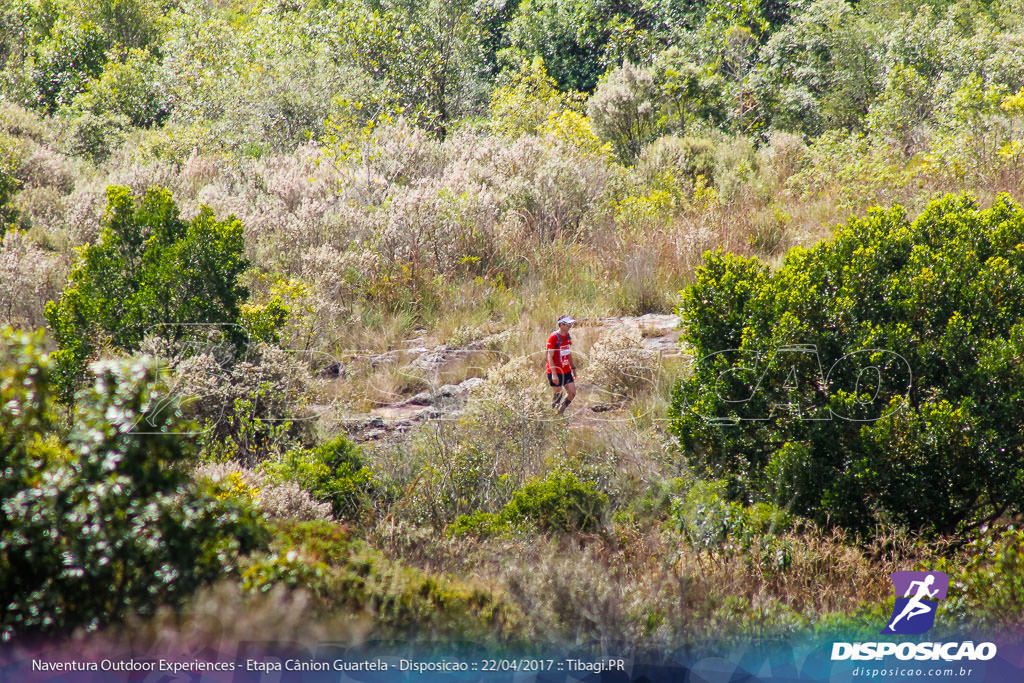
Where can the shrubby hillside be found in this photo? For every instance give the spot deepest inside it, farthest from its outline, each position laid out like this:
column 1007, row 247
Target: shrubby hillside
column 275, row 278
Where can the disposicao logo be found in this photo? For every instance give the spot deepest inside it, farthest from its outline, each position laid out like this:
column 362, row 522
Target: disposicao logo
column 914, row 612
column 917, row 596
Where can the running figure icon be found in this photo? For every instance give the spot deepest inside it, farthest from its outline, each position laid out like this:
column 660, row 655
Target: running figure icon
column 917, row 594
column 915, row 606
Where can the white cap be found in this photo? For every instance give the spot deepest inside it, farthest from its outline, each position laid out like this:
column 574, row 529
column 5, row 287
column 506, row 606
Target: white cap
column 568, row 319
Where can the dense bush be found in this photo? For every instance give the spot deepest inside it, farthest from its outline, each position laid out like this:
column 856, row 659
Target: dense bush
column 102, row 523
column 130, row 88
column 150, row 272
column 685, row 158
column 710, row 522
column 623, row 110
column 285, row 500
column 230, row 85
column 581, row 40
column 558, row 502
column 810, row 404
column 526, row 99
column 987, row 589
column 822, row 70
column 95, row 136
column 332, row 472
column 420, row 58
column 249, row 408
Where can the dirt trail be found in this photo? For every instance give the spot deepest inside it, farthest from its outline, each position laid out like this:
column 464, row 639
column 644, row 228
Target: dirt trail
column 659, row 332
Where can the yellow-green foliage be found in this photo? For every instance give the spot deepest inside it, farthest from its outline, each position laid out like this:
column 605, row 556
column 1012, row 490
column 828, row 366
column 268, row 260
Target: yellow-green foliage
column 575, row 130
column 648, row 212
column 234, row 486
column 529, row 100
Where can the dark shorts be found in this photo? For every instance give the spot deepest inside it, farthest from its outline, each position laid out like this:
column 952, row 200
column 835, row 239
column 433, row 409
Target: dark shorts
column 558, row 380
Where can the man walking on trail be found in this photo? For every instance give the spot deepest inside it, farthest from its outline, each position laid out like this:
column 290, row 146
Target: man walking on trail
column 560, row 366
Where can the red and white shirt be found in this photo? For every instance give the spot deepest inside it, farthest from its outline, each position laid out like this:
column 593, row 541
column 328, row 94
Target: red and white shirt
column 563, row 353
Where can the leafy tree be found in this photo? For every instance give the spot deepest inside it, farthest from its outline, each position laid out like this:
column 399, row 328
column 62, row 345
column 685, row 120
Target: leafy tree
column 66, row 62
column 687, row 93
column 129, row 87
column 580, row 40
column 493, row 18
column 128, row 24
column 841, row 435
column 421, row 57
column 253, row 86
column 572, row 37
column 972, row 129
column 149, row 271
column 16, row 18
column 103, row 523
column 820, row 72
column 564, row 35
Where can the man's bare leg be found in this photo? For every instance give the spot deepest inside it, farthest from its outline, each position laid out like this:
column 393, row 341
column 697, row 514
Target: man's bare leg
column 570, row 394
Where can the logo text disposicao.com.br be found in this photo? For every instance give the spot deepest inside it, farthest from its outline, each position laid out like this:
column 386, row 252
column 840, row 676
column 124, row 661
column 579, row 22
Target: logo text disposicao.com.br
column 917, row 596
column 946, row 652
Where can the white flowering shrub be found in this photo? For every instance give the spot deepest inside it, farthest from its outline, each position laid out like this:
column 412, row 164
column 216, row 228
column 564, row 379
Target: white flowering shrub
column 285, row 500
column 623, row 109
column 621, row 365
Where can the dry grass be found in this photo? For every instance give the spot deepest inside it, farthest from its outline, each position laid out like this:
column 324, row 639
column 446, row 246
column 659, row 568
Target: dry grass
column 644, row 590
column 217, row 622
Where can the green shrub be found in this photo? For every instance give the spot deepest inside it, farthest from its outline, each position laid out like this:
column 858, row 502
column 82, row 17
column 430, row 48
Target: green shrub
column 708, row 519
column 333, row 472
column 479, row 523
column 712, row 523
column 105, row 522
column 73, row 55
column 810, row 404
column 150, row 272
column 558, row 502
column 96, row 136
column 686, row 158
column 988, row 589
